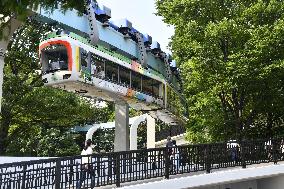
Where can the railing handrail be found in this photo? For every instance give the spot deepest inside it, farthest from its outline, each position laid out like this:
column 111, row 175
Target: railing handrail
column 126, row 166
column 50, row 159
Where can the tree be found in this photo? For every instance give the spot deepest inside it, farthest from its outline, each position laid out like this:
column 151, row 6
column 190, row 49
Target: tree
column 38, row 141
column 29, row 109
column 55, row 143
column 16, row 79
column 231, row 57
column 21, row 9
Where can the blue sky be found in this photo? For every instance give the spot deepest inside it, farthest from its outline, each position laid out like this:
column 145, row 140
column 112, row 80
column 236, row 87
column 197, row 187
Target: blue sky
column 141, row 14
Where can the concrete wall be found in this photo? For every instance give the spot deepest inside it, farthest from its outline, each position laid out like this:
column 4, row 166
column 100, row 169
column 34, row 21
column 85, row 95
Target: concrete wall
column 276, row 182
column 238, row 185
column 264, row 176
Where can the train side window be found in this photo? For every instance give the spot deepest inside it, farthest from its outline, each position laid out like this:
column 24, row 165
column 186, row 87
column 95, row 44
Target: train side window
column 156, row 88
column 124, row 76
column 111, row 70
column 136, row 81
column 151, row 86
column 97, row 66
column 147, row 85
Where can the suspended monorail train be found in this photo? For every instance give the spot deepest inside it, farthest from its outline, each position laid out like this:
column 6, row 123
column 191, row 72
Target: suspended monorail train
column 71, row 63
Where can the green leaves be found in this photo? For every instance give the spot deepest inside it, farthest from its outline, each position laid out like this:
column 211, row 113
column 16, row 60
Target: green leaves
column 55, row 143
column 35, row 119
column 21, row 9
column 227, row 51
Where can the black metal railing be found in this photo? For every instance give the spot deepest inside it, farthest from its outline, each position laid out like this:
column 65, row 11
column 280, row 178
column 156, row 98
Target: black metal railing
column 120, row 167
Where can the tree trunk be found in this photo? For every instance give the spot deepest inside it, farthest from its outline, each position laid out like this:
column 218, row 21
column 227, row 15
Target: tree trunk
column 238, row 109
column 269, row 125
column 8, row 32
column 234, row 105
column 4, row 128
column 6, row 113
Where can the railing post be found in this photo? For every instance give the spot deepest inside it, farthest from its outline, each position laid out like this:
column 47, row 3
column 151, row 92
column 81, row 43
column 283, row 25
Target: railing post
column 9, row 184
column 98, row 170
column 130, row 162
column 243, row 154
column 57, row 174
column 274, row 151
column 207, row 158
column 24, row 176
column 117, row 169
column 70, row 176
column 167, row 163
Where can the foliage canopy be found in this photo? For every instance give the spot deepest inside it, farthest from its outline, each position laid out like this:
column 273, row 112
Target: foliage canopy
column 21, row 9
column 32, row 114
column 231, row 54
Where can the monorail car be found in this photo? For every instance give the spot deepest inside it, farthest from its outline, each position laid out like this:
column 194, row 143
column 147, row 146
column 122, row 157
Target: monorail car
column 70, row 62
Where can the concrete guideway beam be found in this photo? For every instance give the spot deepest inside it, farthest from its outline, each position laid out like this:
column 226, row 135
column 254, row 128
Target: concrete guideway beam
column 150, row 131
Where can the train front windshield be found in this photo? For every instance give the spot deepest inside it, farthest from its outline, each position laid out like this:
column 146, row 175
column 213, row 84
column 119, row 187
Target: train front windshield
column 54, row 58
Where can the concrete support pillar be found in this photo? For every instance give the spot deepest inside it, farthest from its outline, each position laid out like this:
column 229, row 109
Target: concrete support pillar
column 150, row 132
column 133, row 137
column 121, row 139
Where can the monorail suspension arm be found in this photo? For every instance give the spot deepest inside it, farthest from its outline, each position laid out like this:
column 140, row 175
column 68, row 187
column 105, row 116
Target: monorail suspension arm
column 94, row 32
